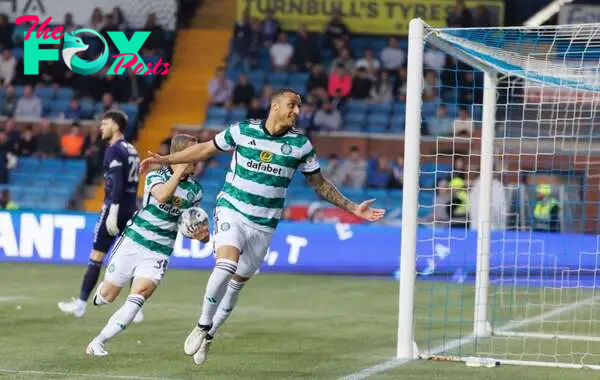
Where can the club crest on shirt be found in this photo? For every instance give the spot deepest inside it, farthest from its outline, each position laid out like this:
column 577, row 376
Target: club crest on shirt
column 286, row 149
column 225, row 226
column 266, row 156
column 190, row 196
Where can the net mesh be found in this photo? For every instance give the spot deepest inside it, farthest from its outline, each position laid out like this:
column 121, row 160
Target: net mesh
column 543, row 302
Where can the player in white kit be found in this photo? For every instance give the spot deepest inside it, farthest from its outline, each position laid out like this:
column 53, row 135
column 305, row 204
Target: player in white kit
column 267, row 153
column 145, row 247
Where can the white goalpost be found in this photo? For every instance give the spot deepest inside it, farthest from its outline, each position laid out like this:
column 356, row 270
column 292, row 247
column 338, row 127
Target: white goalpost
column 500, row 252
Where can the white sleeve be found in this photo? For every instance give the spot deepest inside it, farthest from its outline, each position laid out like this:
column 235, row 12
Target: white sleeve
column 309, row 163
column 225, row 140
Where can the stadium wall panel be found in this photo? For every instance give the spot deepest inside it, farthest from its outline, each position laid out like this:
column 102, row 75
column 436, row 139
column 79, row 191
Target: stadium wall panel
column 65, row 238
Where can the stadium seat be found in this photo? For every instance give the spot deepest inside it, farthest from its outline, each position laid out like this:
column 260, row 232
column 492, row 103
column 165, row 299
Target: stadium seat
column 28, row 164
column 356, row 106
column 379, row 119
column 399, row 108
column 45, row 93
column 51, row 164
column 65, row 93
column 298, row 79
column 353, row 127
column 277, row 79
column 59, row 105
column 380, row 108
column 238, row 114
column 216, row 112
column 257, row 76
column 377, row 128
column 355, row 117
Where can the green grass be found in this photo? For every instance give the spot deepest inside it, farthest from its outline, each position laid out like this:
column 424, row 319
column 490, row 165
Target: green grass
column 285, row 327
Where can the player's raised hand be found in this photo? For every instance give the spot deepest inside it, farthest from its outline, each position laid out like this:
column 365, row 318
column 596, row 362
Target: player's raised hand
column 365, row 211
column 155, row 159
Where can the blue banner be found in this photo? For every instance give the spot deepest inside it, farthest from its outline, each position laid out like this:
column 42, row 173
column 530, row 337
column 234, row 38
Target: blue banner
column 66, row 238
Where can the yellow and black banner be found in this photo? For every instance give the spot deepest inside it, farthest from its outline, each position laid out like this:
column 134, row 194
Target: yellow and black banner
column 388, row 17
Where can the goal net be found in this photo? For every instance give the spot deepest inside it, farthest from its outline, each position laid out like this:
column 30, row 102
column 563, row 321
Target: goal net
column 500, row 252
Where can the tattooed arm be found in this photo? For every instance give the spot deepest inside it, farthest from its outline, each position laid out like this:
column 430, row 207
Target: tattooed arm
column 328, row 191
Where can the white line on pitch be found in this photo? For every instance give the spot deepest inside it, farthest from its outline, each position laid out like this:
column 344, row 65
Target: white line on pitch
column 26, row 372
column 12, row 298
column 389, row 364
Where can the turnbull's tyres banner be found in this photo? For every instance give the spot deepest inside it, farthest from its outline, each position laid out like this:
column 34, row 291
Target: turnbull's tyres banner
column 364, row 16
column 66, row 238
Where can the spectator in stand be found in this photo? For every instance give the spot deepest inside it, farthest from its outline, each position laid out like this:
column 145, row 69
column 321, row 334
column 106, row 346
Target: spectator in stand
column 318, row 82
column 431, row 86
column 361, row 85
column 4, row 152
column 353, row 172
column 69, row 24
column 380, row 177
column 156, row 39
column 343, row 59
column 400, row 85
column 392, row 57
column 243, row 92
column 335, row 30
column 119, row 18
column 382, row 91
column 5, row 202
column 109, row 26
column 220, row 89
column 256, row 110
column 333, row 169
column 8, row 64
column 9, row 102
column 96, row 20
column 340, row 82
column 270, row 28
column 441, row 124
column 13, row 135
column 440, row 216
column 48, row 143
column 370, row 63
column 5, row 33
column 306, row 50
column 328, row 118
column 255, row 43
column 73, row 112
column 72, row 143
column 18, row 35
column 463, row 125
column 265, row 97
column 108, row 102
column 434, row 59
column 460, row 16
column 305, row 120
column 93, row 152
column 481, row 17
column 29, row 105
column 51, row 72
column 240, row 44
column 281, row 53
column 471, row 92
column 397, row 178
column 27, row 143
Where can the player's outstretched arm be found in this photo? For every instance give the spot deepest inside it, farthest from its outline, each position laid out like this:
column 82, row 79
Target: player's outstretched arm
column 197, row 152
column 163, row 191
column 328, row 191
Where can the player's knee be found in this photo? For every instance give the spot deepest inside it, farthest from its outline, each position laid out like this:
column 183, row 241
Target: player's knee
column 240, row 279
column 143, row 287
column 106, row 293
column 228, row 252
column 97, row 255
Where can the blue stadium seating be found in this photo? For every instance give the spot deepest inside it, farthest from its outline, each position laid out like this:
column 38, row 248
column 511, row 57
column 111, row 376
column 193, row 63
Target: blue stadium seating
column 45, row 184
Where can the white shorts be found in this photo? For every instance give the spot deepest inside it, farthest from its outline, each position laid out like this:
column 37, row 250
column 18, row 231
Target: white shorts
column 131, row 260
column 252, row 243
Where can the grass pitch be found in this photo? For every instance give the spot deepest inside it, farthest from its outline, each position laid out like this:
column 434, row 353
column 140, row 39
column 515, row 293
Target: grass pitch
column 284, row 327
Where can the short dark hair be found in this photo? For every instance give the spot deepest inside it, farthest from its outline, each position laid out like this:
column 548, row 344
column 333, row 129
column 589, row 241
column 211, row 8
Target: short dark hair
column 284, row 90
column 354, row 148
column 118, row 117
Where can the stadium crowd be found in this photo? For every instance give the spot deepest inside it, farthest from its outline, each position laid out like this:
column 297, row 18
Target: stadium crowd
column 337, row 71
